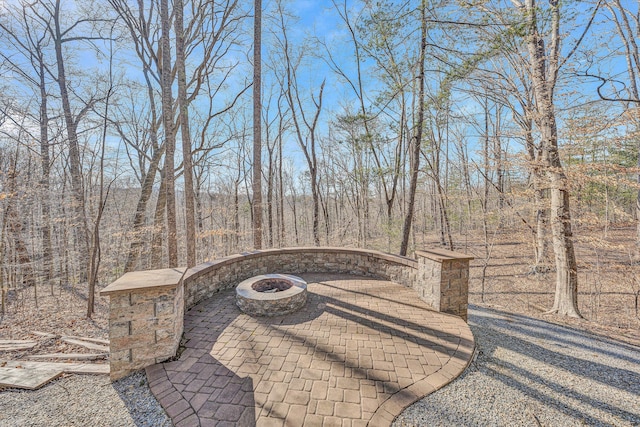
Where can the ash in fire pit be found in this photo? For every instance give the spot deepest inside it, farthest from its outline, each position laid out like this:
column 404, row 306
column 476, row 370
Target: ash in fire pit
column 271, row 294
column 271, row 285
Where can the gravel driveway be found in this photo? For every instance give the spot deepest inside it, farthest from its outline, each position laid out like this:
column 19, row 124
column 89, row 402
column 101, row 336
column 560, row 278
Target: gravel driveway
column 527, row 373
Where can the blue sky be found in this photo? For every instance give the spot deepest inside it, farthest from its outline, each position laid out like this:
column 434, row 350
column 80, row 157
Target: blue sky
column 319, row 19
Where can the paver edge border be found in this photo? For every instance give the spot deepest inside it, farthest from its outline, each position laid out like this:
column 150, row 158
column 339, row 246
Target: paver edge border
column 393, row 407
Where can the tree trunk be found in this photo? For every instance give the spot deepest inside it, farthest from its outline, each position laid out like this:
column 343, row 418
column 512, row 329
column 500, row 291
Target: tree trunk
column 281, row 187
column 295, row 215
column 270, row 178
column 79, row 217
column 187, row 160
column 544, row 72
column 236, row 215
column 566, row 295
column 15, row 228
column 497, row 149
column 143, row 42
column 137, row 240
column 306, row 141
column 169, row 134
column 45, row 159
column 159, row 224
column 417, row 139
column 541, row 228
column 539, row 200
column 4, row 287
column 445, row 226
column 637, row 254
column 257, row 125
column 96, row 250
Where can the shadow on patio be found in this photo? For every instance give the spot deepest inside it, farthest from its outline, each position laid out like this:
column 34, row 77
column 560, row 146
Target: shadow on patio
column 361, row 349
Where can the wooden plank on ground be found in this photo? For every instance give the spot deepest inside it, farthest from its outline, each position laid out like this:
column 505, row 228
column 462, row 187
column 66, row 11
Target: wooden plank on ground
column 14, row 345
column 93, row 340
column 89, row 345
column 69, row 368
column 44, row 334
column 70, row 356
column 29, row 379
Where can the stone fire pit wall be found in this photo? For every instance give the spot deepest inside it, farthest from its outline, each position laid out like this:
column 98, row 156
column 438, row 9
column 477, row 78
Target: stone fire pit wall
column 147, row 307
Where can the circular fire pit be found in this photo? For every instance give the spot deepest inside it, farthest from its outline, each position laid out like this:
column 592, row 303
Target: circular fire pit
column 271, row 294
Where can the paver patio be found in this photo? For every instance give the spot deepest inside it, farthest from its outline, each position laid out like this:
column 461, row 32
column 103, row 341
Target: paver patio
column 357, row 354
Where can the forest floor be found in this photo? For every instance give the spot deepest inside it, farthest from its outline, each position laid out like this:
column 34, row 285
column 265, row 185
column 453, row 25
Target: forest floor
column 59, row 311
column 608, row 287
column 608, row 280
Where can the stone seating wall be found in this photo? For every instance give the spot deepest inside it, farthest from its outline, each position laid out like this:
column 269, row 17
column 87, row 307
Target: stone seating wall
column 205, row 280
column 147, row 308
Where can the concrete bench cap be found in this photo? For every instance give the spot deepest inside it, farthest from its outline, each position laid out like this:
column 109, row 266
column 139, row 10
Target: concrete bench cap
column 166, row 277
column 442, row 255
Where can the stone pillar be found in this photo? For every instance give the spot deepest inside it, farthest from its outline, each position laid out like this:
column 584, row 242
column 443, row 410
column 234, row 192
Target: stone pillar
column 146, row 319
column 443, row 280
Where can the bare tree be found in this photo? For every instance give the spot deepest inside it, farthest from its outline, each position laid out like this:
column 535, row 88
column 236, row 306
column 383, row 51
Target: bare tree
column 187, row 161
column 508, row 83
column 61, row 36
column 15, row 226
column 202, row 41
column 273, row 138
column 103, row 193
column 416, row 139
column 438, row 135
column 140, row 28
column 544, row 56
column 627, row 26
column 166, row 78
column 26, row 40
column 305, row 123
column 257, row 125
column 387, row 167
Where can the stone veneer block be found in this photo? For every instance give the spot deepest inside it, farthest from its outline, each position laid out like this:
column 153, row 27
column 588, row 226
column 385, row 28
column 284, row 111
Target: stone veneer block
column 443, row 280
column 146, row 315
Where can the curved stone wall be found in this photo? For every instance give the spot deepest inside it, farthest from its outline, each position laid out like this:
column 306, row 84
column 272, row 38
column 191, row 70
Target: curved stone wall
column 205, row 280
column 146, row 308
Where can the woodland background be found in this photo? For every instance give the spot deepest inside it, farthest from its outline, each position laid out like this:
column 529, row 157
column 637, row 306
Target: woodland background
column 128, row 140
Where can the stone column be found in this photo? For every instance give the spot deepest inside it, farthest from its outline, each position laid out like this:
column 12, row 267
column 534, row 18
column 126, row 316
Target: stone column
column 443, row 280
column 146, row 315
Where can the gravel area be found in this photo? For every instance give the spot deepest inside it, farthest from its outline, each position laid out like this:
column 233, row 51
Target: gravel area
column 84, row 400
column 529, row 372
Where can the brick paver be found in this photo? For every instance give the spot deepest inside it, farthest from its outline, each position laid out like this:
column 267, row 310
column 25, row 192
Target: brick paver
column 358, row 353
